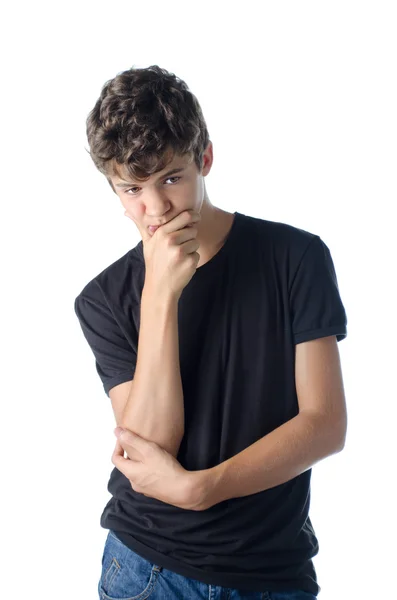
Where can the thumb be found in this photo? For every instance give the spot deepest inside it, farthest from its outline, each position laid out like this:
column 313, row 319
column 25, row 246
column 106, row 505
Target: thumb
column 124, row 434
column 129, row 438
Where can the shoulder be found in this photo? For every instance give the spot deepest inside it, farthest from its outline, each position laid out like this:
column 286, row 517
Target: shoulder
column 110, row 284
column 277, row 231
column 284, row 242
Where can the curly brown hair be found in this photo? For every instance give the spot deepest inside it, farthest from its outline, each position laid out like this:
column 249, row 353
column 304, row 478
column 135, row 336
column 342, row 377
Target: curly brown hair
column 141, row 120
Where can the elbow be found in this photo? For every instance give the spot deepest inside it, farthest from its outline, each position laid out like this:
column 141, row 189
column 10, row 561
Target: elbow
column 170, row 442
column 337, row 429
column 170, row 445
column 340, row 439
column 343, row 433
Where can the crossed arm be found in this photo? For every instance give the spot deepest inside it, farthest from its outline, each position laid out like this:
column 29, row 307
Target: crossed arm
column 317, row 431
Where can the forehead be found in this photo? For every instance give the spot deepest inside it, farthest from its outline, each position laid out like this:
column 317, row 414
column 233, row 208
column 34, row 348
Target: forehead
column 176, row 161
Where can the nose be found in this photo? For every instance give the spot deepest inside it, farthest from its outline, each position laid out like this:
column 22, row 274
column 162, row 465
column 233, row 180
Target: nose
column 156, row 205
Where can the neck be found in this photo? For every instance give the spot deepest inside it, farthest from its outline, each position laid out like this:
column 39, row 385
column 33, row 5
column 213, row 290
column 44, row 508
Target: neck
column 213, row 229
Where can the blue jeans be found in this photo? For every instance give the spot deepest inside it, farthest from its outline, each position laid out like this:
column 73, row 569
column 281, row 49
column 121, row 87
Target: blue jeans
column 127, row 576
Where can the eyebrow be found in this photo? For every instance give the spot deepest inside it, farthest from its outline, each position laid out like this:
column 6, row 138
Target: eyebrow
column 126, row 184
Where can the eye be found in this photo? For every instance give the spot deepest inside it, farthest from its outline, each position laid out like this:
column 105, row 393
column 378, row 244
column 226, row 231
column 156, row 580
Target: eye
column 137, row 188
column 126, row 191
column 178, row 178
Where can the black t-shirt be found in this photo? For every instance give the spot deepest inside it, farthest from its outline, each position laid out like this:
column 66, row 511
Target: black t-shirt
column 269, row 287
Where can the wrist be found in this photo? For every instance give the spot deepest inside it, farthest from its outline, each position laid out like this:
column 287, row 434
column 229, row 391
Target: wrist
column 151, row 296
column 204, row 488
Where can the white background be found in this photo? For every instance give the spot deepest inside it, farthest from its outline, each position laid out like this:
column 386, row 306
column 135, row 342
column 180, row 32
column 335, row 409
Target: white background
column 300, row 101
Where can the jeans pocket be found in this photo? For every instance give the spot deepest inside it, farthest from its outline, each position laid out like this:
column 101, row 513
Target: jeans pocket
column 125, row 575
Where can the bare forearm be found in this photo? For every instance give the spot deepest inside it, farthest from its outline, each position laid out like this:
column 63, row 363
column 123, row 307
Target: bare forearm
column 155, row 408
column 279, row 456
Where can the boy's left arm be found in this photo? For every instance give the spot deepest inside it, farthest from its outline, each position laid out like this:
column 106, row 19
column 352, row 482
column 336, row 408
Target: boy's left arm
column 318, row 431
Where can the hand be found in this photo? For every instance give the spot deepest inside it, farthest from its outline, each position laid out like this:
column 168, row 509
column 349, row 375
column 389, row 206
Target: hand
column 153, row 472
column 170, row 255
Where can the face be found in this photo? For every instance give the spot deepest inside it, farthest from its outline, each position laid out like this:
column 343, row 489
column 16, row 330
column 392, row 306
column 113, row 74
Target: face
column 163, row 196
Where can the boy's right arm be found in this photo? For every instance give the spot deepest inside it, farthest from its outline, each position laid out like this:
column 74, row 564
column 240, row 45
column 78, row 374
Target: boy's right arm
column 154, row 408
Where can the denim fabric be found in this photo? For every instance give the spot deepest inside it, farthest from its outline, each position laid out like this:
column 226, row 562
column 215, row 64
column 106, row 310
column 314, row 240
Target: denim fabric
column 127, row 576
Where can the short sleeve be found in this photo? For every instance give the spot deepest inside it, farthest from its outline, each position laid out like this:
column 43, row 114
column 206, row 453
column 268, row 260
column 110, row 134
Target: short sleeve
column 115, row 358
column 316, row 306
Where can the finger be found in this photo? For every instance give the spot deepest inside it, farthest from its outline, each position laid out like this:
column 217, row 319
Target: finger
column 131, row 456
column 128, row 452
column 121, row 464
column 133, row 440
column 129, row 469
column 125, row 465
column 119, row 450
column 181, row 220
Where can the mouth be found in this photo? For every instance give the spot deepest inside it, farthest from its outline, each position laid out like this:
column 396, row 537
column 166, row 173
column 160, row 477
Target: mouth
column 153, row 228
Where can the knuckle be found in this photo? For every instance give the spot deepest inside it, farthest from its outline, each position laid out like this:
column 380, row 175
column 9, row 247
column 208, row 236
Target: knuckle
column 177, row 252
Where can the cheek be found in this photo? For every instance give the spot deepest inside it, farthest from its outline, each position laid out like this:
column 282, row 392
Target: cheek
column 192, row 190
column 135, row 212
